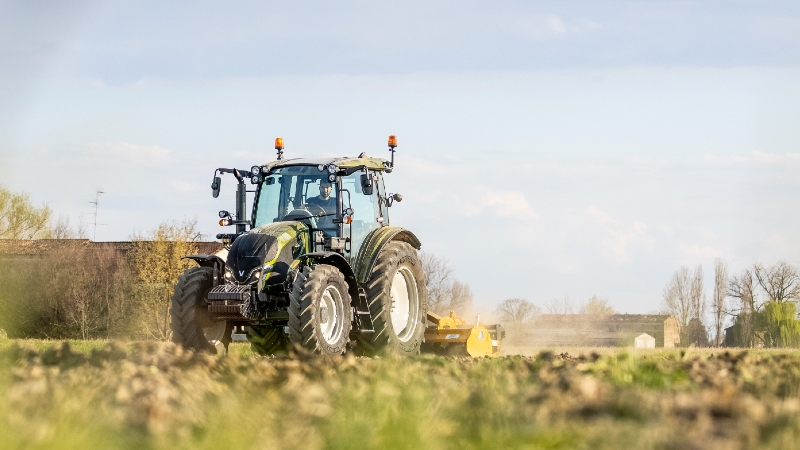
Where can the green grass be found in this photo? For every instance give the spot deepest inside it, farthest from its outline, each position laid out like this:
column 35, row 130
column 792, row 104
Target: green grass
column 151, row 395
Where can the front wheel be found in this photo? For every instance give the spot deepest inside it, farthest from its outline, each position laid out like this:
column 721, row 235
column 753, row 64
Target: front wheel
column 320, row 312
column 267, row 341
column 191, row 324
column 398, row 302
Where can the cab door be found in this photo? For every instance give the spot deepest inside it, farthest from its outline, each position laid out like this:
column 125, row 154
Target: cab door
column 368, row 212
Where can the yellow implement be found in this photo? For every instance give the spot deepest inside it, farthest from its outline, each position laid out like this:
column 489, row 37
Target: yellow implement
column 452, row 336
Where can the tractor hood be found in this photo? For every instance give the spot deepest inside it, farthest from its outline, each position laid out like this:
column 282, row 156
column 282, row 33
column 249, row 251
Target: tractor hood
column 273, row 247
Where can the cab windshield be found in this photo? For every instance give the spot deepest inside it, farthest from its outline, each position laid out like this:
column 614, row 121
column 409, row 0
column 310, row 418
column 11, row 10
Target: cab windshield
column 298, row 193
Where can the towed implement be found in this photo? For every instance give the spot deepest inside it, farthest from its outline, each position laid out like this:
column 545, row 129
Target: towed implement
column 451, row 336
column 317, row 264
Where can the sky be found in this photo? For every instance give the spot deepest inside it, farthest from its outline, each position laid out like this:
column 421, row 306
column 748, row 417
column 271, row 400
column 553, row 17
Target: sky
column 546, row 149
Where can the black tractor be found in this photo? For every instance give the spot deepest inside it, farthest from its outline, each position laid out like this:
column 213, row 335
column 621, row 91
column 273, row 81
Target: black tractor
column 317, row 264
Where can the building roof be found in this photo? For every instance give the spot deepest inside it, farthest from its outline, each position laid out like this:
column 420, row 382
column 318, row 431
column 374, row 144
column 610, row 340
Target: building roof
column 607, row 318
column 35, row 247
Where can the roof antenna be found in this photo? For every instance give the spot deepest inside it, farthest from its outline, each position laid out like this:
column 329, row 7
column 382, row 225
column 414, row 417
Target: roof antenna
column 279, row 147
column 96, row 203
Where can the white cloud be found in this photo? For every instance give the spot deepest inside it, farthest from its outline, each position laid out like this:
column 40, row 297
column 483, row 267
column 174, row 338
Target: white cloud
column 186, row 188
column 693, row 252
column 598, row 215
column 545, row 26
column 128, row 154
column 756, row 156
column 482, row 200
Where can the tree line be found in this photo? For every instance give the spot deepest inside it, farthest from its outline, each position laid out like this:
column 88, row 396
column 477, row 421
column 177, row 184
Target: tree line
column 517, row 314
column 761, row 303
column 73, row 290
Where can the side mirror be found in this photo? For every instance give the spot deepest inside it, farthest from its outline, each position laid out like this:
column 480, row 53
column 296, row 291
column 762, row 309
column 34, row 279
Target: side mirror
column 215, row 185
column 394, row 198
column 366, row 184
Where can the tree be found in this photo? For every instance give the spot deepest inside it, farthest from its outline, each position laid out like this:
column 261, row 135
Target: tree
column 561, row 306
column 743, row 288
column 515, row 314
column 445, row 293
column 158, row 262
column 20, row 219
column 62, row 229
column 781, row 282
column 684, row 298
column 779, row 325
column 676, row 296
column 597, row 307
column 718, row 308
column 71, row 290
column 694, row 334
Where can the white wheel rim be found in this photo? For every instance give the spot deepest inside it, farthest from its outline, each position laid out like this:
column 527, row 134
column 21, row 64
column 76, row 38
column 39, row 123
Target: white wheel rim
column 331, row 315
column 404, row 304
column 214, row 334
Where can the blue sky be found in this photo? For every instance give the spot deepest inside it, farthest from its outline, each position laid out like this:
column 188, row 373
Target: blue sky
column 547, row 149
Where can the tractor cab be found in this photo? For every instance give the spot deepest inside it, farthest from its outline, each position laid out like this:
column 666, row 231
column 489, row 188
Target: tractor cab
column 340, row 200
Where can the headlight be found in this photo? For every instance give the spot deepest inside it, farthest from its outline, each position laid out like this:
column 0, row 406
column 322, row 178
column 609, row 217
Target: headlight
column 228, row 274
column 332, row 168
column 255, row 170
column 321, row 167
column 254, row 180
column 331, row 178
column 257, row 274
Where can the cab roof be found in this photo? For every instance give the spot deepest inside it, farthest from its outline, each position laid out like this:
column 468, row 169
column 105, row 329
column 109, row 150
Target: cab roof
column 343, row 162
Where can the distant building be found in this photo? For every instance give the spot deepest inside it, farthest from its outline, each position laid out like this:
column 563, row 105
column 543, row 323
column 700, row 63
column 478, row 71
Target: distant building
column 617, row 330
column 644, row 340
column 18, row 253
column 18, row 249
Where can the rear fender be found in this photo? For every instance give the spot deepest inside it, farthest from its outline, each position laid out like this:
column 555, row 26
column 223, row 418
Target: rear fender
column 374, row 243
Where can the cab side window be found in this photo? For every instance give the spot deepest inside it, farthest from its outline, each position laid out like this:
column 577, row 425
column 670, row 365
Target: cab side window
column 366, row 210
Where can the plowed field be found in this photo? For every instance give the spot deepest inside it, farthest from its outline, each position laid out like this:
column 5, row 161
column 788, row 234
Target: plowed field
column 153, row 395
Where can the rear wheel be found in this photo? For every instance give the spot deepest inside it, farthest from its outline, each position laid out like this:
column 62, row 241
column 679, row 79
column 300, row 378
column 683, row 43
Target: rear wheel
column 267, row 341
column 191, row 324
column 398, row 302
column 320, row 312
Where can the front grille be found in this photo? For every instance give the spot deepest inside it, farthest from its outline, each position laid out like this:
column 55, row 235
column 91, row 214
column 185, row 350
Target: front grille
column 230, row 292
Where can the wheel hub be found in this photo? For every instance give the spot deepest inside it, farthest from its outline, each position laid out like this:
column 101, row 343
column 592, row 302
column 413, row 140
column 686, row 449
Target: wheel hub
column 331, row 315
column 404, row 304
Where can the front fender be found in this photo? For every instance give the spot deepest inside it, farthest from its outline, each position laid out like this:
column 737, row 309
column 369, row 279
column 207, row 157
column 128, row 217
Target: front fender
column 213, row 261
column 207, row 260
column 374, row 243
column 338, row 261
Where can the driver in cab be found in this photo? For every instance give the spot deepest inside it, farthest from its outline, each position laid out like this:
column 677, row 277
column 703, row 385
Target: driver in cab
column 323, row 204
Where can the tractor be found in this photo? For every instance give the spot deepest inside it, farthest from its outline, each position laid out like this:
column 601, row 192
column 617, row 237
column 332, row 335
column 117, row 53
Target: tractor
column 317, row 265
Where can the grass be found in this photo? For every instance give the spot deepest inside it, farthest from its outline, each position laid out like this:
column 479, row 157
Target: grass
column 101, row 394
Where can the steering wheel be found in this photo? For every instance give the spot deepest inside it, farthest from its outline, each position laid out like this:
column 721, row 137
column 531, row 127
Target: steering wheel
column 301, row 215
column 316, row 210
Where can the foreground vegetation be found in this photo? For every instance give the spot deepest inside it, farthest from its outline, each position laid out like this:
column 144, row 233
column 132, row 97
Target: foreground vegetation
column 155, row 395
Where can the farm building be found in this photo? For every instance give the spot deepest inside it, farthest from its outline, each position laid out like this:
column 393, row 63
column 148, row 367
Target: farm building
column 644, row 340
column 14, row 250
column 616, row 330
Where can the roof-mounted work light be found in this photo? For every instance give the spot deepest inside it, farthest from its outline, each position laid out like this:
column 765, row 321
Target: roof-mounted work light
column 279, row 147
